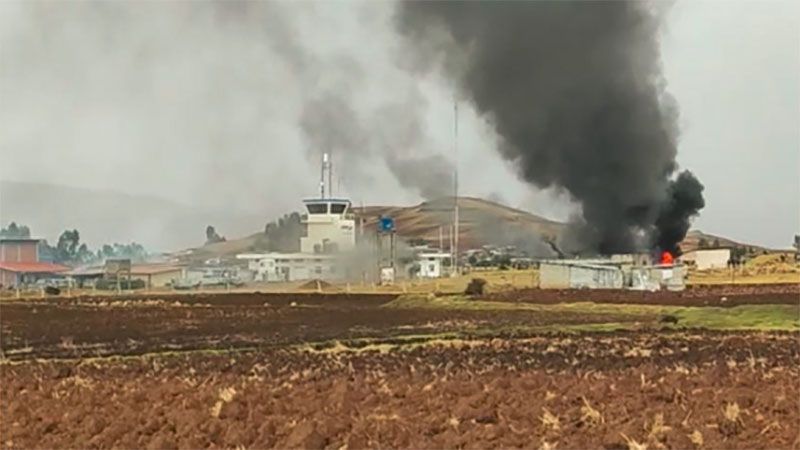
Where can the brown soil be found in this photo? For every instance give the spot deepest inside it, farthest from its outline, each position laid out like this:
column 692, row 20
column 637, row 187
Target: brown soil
column 607, row 391
column 397, row 389
column 84, row 327
column 702, row 295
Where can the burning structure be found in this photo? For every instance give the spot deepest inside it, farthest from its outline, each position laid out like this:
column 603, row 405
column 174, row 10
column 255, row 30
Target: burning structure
column 630, row 271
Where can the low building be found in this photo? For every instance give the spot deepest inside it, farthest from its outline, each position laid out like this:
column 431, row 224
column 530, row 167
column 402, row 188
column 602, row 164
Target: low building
column 19, row 250
column 271, row 267
column 86, row 276
column 707, row 258
column 14, row 274
column 612, row 273
column 430, row 264
column 569, row 274
column 157, row 275
column 20, row 265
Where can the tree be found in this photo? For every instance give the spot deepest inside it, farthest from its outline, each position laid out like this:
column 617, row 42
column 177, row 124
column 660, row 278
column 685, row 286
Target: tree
column 67, row 246
column 212, row 236
column 15, row 231
column 284, row 234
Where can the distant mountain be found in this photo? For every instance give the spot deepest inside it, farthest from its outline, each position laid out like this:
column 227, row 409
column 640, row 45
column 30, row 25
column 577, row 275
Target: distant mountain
column 105, row 216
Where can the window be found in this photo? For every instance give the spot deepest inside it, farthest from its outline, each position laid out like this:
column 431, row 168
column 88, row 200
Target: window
column 431, row 268
column 318, row 270
column 317, row 208
column 338, row 208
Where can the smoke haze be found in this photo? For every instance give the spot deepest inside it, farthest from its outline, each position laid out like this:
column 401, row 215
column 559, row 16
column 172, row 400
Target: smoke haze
column 201, row 105
column 575, row 91
column 223, row 106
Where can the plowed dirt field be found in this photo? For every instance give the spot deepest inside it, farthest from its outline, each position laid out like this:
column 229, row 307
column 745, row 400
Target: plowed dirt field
column 315, row 371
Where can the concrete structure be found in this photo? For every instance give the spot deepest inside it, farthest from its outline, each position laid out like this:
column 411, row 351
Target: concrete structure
column 157, row 275
column 569, row 274
column 19, row 263
column 273, row 267
column 710, row 258
column 19, row 250
column 430, row 264
column 612, row 273
column 330, row 227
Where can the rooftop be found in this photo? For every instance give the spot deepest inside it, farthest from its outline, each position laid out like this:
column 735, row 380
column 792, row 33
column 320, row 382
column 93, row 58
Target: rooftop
column 33, row 267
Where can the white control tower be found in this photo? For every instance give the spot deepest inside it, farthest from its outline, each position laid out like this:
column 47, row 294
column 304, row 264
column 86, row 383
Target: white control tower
column 330, row 226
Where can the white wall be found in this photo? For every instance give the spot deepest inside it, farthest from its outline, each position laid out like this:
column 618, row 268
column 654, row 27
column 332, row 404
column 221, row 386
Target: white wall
column 706, row 259
column 430, row 267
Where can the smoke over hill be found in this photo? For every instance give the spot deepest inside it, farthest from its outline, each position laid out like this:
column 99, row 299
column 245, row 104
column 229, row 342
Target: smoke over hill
column 575, row 91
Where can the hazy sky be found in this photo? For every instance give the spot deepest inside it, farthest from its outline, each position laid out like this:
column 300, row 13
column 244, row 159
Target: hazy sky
column 200, row 103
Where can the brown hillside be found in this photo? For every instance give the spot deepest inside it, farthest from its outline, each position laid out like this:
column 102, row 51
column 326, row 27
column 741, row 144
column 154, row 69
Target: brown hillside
column 478, row 218
column 482, row 222
column 693, row 238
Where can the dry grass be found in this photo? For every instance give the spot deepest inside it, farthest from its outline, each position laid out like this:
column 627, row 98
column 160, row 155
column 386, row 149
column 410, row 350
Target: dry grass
column 225, row 396
column 697, row 438
column 549, row 420
column 657, row 429
column 632, row 444
column 740, row 276
column 732, row 412
column 590, row 416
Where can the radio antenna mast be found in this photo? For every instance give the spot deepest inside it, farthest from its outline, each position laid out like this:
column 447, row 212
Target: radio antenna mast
column 322, row 176
column 455, row 185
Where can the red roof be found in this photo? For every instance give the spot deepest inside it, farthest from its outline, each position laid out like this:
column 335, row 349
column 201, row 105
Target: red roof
column 33, row 267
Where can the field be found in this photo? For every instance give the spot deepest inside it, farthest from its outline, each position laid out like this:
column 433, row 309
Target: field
column 523, row 368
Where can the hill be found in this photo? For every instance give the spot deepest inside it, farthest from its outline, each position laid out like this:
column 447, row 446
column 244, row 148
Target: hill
column 696, row 239
column 106, row 216
column 480, row 221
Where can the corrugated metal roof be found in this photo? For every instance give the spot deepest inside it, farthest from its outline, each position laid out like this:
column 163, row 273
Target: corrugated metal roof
column 33, row 267
column 152, row 269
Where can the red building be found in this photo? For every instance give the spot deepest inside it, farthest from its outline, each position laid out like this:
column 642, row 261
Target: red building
column 19, row 262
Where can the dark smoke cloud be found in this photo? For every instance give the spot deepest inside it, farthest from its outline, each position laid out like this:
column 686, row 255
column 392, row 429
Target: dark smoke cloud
column 575, row 91
column 684, row 199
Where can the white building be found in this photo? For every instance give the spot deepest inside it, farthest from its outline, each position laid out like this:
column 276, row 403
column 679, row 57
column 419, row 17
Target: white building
column 577, row 274
column 330, row 227
column 705, row 259
column 430, row 264
column 619, row 273
column 330, row 230
column 272, row 267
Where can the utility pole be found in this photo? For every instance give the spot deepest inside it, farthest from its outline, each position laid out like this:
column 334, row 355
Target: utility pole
column 455, row 186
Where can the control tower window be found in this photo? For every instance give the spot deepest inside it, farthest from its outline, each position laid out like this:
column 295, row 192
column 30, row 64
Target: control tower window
column 338, row 208
column 317, row 208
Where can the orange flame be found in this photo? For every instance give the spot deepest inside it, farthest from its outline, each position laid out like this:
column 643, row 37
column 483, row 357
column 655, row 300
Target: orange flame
column 666, row 258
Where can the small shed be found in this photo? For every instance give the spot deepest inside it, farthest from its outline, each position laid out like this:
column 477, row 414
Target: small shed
column 430, row 264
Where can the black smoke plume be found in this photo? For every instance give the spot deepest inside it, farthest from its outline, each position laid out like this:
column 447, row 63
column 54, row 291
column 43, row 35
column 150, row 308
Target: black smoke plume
column 684, row 200
column 575, row 92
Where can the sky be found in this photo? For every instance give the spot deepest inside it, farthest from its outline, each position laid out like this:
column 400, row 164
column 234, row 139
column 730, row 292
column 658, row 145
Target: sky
column 201, row 104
